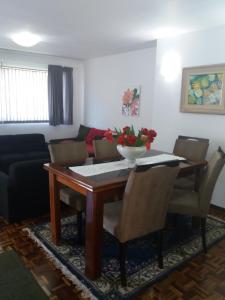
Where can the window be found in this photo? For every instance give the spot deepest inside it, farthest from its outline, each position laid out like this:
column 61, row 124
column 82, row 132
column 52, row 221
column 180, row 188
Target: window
column 23, row 95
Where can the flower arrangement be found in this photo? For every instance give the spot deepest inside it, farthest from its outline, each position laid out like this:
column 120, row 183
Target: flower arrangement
column 127, row 137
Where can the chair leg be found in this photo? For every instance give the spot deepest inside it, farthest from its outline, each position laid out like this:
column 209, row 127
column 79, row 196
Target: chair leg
column 79, row 226
column 203, row 231
column 160, row 243
column 122, row 259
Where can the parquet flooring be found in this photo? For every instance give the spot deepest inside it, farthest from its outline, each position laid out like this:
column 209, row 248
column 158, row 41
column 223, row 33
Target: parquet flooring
column 201, row 278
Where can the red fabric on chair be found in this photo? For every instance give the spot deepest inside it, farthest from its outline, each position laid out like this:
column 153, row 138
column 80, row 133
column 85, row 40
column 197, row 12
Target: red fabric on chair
column 90, row 150
column 93, row 133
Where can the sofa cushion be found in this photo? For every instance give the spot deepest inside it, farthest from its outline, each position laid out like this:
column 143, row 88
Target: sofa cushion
column 7, row 159
column 37, row 155
column 83, row 132
column 21, row 143
column 93, row 133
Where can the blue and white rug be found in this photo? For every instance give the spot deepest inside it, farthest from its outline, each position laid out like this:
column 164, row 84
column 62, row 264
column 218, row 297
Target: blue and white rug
column 180, row 245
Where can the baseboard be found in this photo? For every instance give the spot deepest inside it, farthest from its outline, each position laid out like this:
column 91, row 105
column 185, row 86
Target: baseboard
column 217, row 207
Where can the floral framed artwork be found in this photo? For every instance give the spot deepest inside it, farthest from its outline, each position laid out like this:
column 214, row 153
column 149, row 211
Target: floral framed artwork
column 203, row 89
column 131, row 101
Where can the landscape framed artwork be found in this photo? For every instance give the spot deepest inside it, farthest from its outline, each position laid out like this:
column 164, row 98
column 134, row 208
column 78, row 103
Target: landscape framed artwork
column 131, row 101
column 203, row 89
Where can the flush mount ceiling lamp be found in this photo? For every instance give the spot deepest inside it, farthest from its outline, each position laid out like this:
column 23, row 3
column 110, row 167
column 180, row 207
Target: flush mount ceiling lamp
column 26, row 39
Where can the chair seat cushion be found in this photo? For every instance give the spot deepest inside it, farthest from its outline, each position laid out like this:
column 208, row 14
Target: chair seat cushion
column 187, row 183
column 111, row 216
column 185, row 203
column 73, row 199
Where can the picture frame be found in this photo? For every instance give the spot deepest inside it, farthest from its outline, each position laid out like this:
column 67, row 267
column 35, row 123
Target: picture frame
column 131, row 98
column 203, row 89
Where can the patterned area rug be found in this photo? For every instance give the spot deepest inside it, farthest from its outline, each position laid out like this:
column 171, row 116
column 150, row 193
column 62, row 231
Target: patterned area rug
column 180, row 245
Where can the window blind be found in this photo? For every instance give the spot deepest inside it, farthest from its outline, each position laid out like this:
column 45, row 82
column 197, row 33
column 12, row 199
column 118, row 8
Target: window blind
column 23, row 95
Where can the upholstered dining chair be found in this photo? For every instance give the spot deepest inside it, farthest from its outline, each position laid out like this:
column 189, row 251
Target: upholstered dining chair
column 104, row 150
column 70, row 154
column 196, row 203
column 142, row 210
column 193, row 149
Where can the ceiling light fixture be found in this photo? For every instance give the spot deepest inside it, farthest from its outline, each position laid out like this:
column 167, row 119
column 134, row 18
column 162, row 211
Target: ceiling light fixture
column 26, row 39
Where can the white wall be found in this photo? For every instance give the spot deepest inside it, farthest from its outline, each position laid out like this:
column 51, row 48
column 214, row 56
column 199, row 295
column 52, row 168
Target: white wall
column 41, row 61
column 201, row 48
column 107, row 78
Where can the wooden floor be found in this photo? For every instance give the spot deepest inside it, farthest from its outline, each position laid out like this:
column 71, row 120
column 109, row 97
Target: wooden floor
column 201, row 278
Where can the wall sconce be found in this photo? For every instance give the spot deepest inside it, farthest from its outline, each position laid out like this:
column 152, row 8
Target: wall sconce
column 170, row 65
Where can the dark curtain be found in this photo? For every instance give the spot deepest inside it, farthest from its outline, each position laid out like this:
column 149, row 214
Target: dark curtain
column 60, row 95
column 68, row 95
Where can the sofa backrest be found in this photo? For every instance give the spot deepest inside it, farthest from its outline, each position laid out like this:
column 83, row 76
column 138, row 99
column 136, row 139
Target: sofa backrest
column 20, row 143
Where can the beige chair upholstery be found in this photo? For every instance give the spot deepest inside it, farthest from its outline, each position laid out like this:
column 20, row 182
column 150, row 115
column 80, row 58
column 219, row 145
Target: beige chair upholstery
column 71, row 154
column 68, row 153
column 193, row 149
column 73, row 199
column 143, row 208
column 197, row 203
column 104, row 150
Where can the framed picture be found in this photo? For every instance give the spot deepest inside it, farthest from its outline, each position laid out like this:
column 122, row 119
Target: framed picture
column 203, row 90
column 131, row 101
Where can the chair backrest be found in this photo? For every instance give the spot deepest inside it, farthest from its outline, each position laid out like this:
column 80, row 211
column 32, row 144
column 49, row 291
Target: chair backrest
column 69, row 153
column 104, row 150
column 209, row 179
column 191, row 148
column 145, row 202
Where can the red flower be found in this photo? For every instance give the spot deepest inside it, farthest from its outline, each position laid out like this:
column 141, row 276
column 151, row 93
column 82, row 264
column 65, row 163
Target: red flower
column 121, row 140
column 127, row 137
column 125, row 129
column 144, row 131
column 131, row 139
column 153, row 133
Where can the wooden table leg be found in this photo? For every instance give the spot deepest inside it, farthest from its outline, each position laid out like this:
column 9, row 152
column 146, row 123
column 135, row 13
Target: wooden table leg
column 94, row 231
column 54, row 208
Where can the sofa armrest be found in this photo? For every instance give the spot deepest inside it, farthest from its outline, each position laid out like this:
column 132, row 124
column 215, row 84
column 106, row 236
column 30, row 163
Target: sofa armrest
column 4, row 178
column 28, row 174
column 4, row 188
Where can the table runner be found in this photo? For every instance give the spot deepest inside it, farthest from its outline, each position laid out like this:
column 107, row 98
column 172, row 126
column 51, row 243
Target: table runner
column 96, row 169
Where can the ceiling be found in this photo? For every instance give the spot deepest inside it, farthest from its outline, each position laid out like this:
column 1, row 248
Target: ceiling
column 90, row 28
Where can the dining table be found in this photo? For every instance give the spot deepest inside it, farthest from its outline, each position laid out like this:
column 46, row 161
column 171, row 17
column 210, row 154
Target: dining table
column 97, row 189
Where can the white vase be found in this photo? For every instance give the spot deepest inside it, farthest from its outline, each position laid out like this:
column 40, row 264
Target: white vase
column 131, row 153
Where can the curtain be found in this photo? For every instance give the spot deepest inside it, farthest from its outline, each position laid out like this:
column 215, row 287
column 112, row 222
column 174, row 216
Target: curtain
column 68, row 95
column 60, row 95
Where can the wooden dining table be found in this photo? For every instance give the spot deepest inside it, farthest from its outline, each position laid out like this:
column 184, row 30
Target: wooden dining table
column 97, row 190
